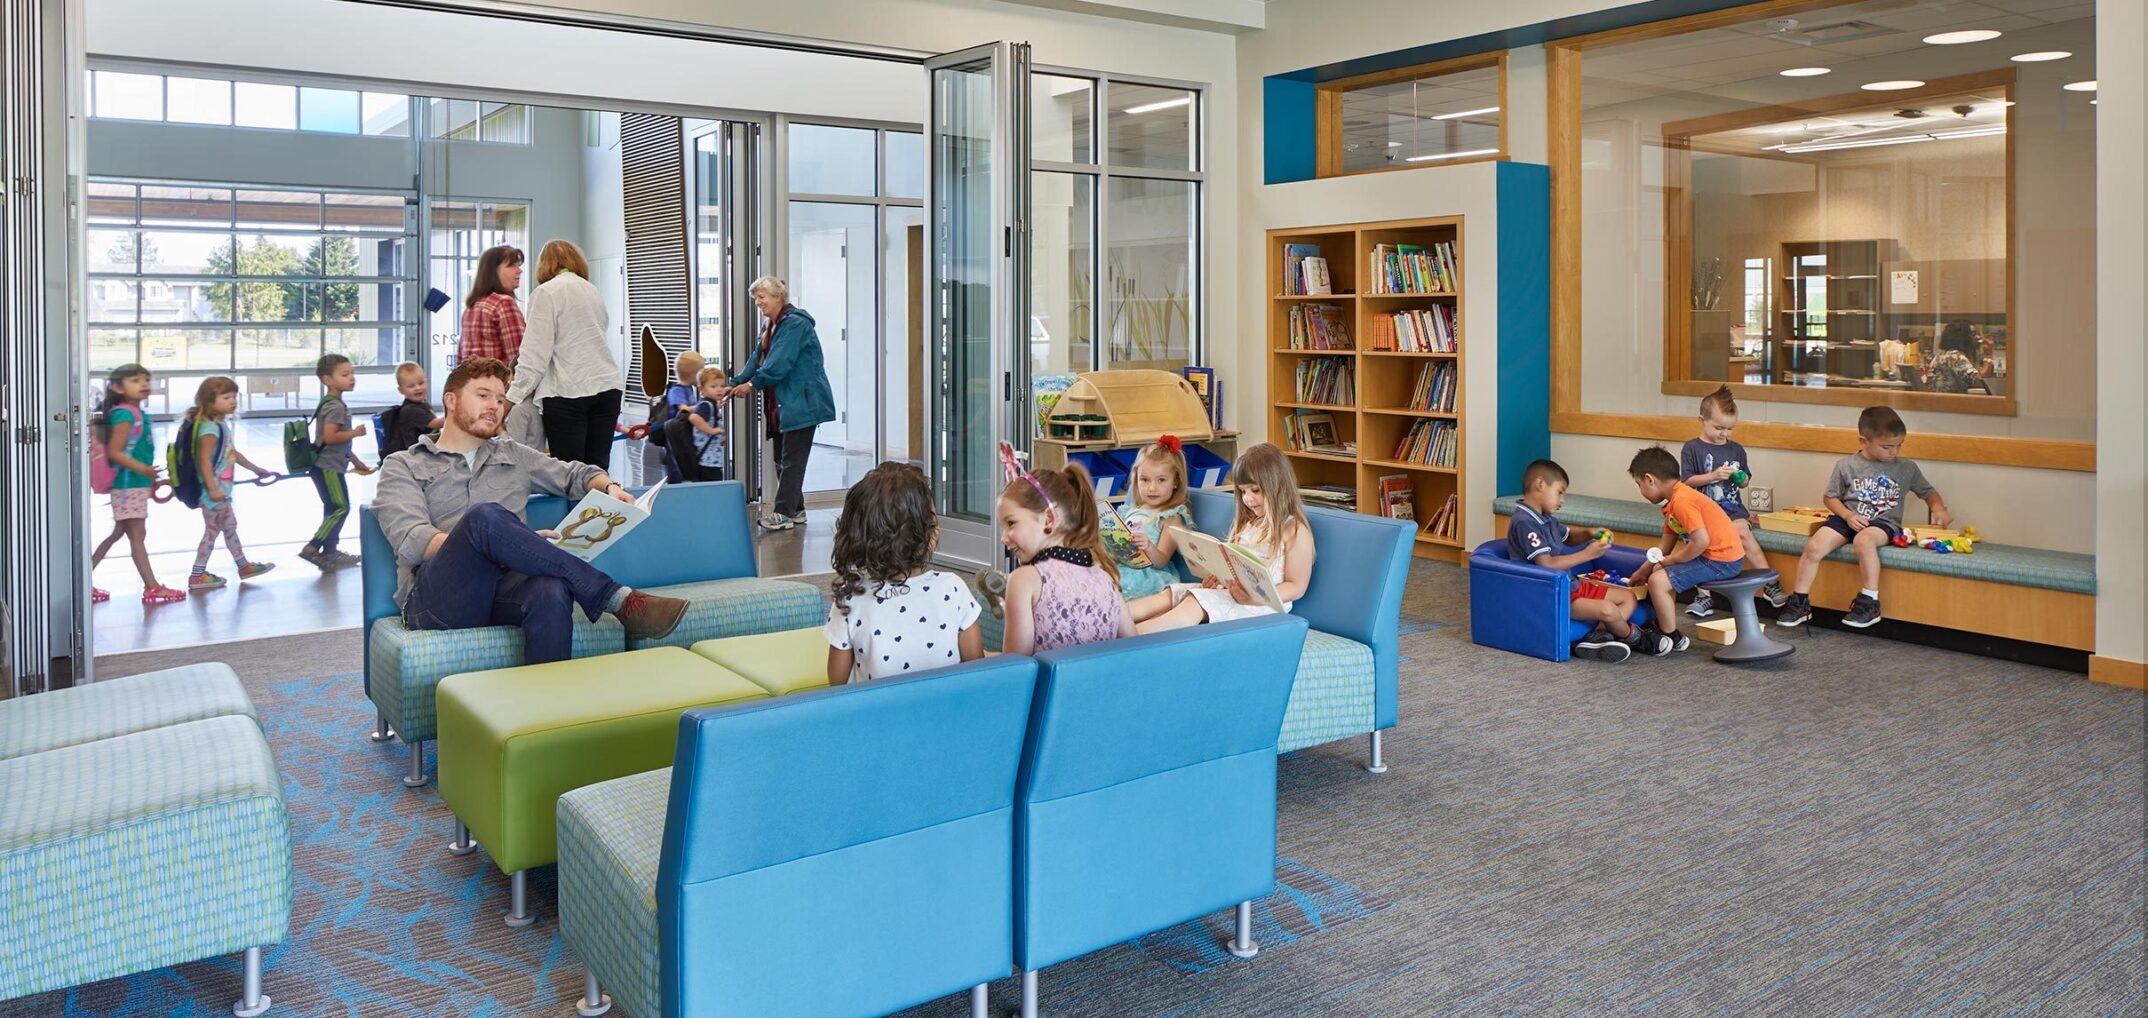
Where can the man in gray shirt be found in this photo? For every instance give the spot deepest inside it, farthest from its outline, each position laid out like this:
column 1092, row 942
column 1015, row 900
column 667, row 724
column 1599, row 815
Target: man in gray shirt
column 452, row 508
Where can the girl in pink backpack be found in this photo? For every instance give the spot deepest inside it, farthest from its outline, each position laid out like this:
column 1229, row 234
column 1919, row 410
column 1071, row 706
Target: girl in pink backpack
column 129, row 453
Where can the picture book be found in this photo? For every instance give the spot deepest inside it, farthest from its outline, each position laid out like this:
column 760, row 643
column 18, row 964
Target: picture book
column 1398, row 501
column 1203, row 381
column 1117, row 532
column 598, row 521
column 1222, row 559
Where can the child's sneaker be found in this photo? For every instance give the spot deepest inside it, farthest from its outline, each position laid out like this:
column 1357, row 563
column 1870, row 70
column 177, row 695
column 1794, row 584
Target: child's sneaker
column 1645, row 640
column 1675, row 642
column 336, row 560
column 310, row 554
column 253, row 569
column 1775, row 594
column 1606, row 646
column 204, row 581
column 1703, row 605
column 1864, row 611
column 1797, row 611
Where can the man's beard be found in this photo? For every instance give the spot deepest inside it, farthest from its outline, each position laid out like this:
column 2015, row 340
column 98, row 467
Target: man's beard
column 473, row 423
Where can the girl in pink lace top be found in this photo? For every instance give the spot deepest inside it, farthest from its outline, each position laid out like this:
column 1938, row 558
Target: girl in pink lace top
column 1067, row 592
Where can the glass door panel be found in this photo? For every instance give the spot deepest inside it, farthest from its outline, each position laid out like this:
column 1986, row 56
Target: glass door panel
column 977, row 305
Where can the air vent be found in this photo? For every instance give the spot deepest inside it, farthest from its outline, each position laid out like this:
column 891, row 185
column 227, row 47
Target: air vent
column 1829, row 34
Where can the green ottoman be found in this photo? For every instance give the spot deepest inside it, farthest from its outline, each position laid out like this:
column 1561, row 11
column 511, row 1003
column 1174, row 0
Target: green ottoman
column 512, row 740
column 785, row 662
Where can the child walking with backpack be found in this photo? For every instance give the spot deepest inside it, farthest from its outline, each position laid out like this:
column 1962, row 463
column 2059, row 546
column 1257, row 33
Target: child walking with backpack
column 122, row 463
column 331, row 460
column 207, row 431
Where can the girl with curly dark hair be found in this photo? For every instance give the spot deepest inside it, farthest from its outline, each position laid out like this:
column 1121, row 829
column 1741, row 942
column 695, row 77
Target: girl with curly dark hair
column 893, row 613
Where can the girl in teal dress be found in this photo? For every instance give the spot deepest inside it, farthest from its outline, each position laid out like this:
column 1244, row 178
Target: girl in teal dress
column 1156, row 502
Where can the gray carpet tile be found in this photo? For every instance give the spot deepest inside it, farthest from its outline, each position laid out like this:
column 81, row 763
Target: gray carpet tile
column 1865, row 828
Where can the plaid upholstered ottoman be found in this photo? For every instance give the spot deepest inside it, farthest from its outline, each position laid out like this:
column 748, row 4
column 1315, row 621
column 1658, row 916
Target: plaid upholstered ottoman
column 102, row 710
column 141, row 851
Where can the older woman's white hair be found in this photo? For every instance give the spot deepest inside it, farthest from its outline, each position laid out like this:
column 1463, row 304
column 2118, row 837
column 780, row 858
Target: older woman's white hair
column 771, row 286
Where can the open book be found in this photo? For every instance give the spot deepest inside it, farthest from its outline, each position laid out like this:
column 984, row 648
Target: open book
column 598, row 521
column 1226, row 561
column 1118, row 534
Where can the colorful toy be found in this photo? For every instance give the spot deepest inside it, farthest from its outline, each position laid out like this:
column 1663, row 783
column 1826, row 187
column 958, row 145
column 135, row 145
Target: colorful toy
column 1655, row 556
column 1900, row 540
column 1603, row 536
column 1738, row 474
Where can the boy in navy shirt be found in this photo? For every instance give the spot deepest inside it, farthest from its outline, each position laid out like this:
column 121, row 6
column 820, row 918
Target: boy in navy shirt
column 1536, row 535
column 1710, row 463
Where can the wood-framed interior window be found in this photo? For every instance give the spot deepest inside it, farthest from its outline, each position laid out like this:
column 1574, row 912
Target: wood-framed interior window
column 1850, row 248
column 1437, row 114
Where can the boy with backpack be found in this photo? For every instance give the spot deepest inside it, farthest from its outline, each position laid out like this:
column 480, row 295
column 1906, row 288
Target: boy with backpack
column 331, row 459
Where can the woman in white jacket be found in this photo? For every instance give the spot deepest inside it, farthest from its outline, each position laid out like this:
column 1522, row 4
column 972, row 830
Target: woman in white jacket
column 566, row 360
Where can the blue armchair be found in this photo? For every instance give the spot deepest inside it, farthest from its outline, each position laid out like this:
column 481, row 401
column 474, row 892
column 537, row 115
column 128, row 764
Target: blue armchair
column 1523, row 608
column 1347, row 678
column 1147, row 794
column 846, row 851
column 697, row 544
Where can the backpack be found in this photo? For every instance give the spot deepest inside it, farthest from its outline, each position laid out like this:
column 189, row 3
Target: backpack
column 180, row 461
column 102, row 472
column 299, row 449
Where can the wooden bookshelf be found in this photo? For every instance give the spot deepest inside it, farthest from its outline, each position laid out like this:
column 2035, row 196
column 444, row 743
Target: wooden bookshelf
column 1381, row 410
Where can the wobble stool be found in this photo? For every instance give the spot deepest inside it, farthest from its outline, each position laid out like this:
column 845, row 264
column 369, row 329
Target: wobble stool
column 1752, row 643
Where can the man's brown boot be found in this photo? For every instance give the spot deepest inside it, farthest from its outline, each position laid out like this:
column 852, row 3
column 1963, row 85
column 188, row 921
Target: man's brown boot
column 651, row 616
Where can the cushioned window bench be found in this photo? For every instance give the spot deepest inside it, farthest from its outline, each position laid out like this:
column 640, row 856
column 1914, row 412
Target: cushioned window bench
column 2008, row 591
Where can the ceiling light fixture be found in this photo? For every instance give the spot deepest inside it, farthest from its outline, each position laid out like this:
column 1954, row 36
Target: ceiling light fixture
column 2081, row 86
column 1805, row 72
column 1453, row 155
column 1183, row 100
column 1958, row 38
column 1467, row 113
column 1891, row 86
column 1900, row 139
column 2040, row 56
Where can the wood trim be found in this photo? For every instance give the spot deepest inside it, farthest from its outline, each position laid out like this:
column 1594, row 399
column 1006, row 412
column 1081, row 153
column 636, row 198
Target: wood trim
column 1563, row 70
column 1929, row 402
column 1328, row 112
column 2118, row 672
column 1993, row 451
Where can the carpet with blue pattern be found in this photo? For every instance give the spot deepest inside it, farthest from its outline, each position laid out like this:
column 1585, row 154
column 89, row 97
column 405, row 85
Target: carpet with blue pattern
column 1867, row 828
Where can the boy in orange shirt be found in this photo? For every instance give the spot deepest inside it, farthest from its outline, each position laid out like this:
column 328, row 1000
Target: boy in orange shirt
column 1700, row 545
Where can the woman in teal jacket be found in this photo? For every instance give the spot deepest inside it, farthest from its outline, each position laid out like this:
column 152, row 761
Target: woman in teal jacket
column 787, row 369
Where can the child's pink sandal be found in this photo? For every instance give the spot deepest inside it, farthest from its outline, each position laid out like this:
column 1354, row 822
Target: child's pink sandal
column 99, row 595
column 161, row 594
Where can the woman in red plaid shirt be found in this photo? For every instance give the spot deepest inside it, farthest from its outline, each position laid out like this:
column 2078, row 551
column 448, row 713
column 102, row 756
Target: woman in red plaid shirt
column 491, row 322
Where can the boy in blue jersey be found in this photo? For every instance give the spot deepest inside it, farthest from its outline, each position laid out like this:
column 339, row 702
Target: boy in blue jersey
column 1536, row 535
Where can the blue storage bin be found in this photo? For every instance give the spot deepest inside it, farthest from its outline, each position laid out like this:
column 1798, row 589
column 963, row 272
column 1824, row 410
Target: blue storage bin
column 1205, row 469
column 1109, row 476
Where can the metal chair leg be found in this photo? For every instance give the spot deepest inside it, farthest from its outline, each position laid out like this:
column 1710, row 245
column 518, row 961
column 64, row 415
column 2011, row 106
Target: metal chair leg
column 980, row 1001
column 1029, row 994
column 1374, row 762
column 1242, row 945
column 381, row 732
column 416, row 777
column 252, row 1001
column 594, row 1000
column 518, row 888
column 463, row 843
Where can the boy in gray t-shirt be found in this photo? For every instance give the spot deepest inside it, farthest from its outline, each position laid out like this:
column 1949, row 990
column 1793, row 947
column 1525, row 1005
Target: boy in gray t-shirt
column 332, row 459
column 1864, row 496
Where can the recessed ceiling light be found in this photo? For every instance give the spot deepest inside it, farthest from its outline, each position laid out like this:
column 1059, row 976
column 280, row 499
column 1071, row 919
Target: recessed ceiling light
column 1896, row 86
column 2081, row 86
column 1957, row 38
column 1806, row 72
column 1453, row 155
column 1467, row 113
column 2040, row 56
column 1394, row 144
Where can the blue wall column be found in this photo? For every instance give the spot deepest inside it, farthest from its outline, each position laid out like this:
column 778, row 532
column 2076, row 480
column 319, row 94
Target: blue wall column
column 1524, row 203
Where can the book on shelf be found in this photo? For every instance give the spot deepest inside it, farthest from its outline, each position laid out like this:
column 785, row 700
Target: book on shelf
column 1319, row 327
column 1317, row 282
column 1398, row 500
column 1204, row 385
column 1314, row 431
column 1294, row 256
column 1209, row 556
column 1413, row 268
column 1435, row 388
column 1334, row 496
column 1446, row 523
column 1326, row 380
column 1421, row 330
column 1430, row 443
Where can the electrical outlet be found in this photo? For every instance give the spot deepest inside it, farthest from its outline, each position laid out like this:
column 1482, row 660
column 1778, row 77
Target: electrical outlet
column 1760, row 500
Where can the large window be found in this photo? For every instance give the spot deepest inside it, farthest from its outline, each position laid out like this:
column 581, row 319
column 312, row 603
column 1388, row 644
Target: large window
column 1115, row 203
column 216, row 279
column 1431, row 115
column 1866, row 203
column 460, row 229
column 221, row 102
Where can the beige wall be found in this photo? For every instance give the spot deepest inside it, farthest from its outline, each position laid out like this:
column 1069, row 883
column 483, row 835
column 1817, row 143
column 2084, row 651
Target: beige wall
column 2121, row 308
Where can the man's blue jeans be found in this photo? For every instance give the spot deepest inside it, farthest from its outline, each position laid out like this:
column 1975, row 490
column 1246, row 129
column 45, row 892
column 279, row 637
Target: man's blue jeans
column 493, row 570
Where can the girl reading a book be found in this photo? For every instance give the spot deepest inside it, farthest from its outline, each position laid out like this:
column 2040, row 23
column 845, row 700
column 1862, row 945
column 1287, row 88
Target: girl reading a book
column 1270, row 524
column 1158, row 507
column 1067, row 589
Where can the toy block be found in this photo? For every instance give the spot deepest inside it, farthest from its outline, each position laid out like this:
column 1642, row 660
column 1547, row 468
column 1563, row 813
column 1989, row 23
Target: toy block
column 1722, row 631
